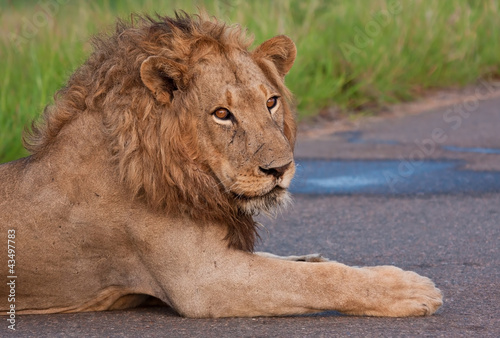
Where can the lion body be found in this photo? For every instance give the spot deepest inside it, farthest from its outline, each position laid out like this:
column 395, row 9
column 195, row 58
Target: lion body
column 146, row 172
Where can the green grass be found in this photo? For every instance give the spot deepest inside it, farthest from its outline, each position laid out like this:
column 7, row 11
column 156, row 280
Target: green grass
column 357, row 55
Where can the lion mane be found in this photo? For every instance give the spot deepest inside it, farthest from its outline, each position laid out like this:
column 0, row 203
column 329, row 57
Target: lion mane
column 153, row 144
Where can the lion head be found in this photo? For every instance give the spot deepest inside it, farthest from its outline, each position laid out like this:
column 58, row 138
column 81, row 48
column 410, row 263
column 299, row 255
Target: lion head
column 196, row 124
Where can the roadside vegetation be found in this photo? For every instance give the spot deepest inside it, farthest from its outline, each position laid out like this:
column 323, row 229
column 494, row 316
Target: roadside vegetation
column 354, row 55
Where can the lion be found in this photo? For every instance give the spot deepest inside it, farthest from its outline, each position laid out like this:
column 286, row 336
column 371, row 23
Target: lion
column 145, row 176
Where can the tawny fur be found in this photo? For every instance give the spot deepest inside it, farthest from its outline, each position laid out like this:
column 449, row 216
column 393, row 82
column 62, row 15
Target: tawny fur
column 146, row 173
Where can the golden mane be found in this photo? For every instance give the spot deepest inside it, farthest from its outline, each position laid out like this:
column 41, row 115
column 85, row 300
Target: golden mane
column 156, row 153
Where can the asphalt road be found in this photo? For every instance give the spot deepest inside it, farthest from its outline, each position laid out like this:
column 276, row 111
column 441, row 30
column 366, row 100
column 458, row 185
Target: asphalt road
column 451, row 235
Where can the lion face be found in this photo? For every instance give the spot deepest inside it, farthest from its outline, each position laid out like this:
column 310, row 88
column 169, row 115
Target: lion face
column 241, row 118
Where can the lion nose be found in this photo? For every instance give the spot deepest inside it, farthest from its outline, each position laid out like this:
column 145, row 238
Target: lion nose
column 275, row 171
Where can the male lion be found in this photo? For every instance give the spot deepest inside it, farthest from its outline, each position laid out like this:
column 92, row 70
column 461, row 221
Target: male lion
column 144, row 177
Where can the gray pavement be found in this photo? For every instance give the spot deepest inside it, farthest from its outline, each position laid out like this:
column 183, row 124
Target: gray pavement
column 449, row 235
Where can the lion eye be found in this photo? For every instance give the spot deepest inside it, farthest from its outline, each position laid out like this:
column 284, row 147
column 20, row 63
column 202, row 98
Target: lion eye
column 222, row 114
column 272, row 102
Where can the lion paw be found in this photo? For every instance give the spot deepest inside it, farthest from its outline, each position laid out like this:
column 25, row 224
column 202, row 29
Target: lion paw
column 393, row 292
column 316, row 257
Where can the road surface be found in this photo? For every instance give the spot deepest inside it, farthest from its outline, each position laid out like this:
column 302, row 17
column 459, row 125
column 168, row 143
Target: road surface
column 421, row 192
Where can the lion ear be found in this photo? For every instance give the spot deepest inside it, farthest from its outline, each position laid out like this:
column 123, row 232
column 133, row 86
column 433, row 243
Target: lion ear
column 280, row 50
column 162, row 76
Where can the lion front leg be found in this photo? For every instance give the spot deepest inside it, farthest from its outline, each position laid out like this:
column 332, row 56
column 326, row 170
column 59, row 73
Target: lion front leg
column 193, row 270
column 242, row 285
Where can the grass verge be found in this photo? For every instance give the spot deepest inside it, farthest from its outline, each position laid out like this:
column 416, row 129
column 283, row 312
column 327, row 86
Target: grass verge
column 356, row 55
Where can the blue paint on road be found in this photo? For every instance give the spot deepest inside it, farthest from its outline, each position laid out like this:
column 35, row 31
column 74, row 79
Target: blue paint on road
column 390, row 177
